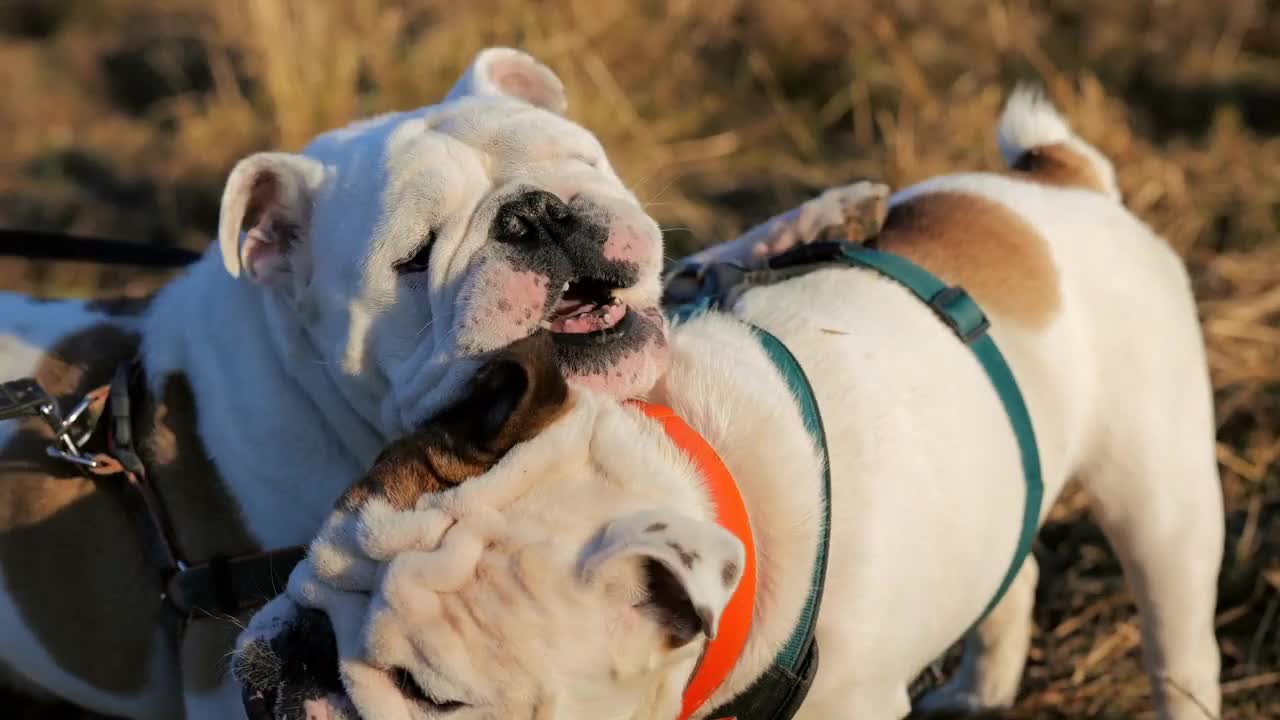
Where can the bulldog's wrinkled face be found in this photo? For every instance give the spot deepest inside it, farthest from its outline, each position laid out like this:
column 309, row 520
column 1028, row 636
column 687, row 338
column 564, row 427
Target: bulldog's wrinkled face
column 408, row 244
column 553, row 558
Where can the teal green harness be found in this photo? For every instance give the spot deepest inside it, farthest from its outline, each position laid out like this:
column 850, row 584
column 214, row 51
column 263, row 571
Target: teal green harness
column 697, row 289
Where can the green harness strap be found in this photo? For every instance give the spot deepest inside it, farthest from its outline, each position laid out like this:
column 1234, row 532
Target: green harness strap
column 779, row 692
column 959, row 311
column 794, row 651
column 953, row 306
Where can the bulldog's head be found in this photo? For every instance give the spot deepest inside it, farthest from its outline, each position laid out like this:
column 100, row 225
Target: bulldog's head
column 538, row 552
column 410, row 243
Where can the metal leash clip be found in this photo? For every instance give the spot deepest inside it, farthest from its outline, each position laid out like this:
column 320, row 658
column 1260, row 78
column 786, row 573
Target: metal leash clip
column 25, row 398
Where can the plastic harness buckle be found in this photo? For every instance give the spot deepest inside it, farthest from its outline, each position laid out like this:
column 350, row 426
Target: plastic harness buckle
column 960, row 313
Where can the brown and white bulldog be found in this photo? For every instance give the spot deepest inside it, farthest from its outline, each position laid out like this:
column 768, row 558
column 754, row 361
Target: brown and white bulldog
column 353, row 290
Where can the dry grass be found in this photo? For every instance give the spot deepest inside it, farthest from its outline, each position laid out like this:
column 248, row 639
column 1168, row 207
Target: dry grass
column 122, row 117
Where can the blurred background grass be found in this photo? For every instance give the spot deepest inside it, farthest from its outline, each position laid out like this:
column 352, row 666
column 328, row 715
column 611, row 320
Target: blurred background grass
column 122, row 117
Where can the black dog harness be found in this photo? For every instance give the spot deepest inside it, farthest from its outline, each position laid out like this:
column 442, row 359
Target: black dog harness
column 97, row 437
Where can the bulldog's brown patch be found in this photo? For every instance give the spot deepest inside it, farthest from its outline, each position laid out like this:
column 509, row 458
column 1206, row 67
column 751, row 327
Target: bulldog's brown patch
column 1058, row 165
column 404, row 471
column 979, row 244
column 70, row 552
column 510, row 400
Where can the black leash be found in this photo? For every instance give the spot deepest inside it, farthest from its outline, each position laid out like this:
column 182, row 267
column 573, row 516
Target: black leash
column 62, row 247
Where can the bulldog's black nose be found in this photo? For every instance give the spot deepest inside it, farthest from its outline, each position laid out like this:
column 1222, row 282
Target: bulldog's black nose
column 535, row 216
column 299, row 664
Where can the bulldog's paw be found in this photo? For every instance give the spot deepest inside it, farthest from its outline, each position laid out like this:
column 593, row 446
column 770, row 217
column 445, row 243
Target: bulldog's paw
column 852, row 212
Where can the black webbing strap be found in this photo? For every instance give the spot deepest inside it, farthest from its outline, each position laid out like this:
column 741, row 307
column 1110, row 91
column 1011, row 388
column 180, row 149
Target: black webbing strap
column 61, row 247
column 144, row 503
column 221, row 586
column 230, row 585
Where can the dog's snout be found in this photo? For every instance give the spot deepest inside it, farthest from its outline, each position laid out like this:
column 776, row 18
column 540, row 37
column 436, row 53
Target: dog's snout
column 533, row 216
column 299, row 664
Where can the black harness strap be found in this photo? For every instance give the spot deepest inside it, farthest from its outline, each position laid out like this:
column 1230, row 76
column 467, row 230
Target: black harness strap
column 231, row 585
column 719, row 285
column 221, row 586
column 776, row 695
column 121, row 460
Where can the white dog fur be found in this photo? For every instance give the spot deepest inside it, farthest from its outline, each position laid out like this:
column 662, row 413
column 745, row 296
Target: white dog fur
column 353, row 288
column 1094, row 314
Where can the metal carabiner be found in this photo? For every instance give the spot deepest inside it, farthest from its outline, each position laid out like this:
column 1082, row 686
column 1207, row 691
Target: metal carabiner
column 26, row 398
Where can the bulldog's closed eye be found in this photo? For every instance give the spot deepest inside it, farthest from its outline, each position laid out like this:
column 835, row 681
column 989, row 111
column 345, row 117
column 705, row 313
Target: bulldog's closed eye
column 588, row 160
column 412, row 690
column 419, row 261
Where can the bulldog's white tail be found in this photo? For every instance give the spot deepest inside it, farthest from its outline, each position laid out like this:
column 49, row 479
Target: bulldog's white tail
column 1035, row 139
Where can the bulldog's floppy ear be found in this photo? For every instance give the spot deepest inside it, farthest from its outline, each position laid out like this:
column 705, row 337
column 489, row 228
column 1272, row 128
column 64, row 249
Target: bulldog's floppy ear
column 266, row 208
column 512, row 73
column 689, row 568
column 509, row 400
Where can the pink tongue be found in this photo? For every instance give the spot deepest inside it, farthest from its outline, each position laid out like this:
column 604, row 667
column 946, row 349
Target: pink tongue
column 597, row 318
column 571, row 307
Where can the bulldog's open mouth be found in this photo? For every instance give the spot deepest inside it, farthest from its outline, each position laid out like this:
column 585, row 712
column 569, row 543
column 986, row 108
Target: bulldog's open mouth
column 580, row 275
column 588, row 312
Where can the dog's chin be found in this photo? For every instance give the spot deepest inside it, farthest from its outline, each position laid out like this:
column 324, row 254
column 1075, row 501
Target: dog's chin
column 622, row 360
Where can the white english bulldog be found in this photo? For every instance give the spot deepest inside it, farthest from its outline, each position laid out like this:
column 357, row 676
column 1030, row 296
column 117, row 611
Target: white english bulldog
column 579, row 572
column 353, row 288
